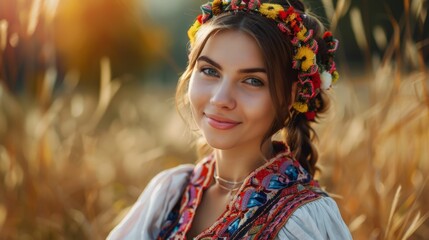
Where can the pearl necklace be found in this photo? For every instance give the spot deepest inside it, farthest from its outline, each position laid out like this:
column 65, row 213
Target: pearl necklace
column 227, row 185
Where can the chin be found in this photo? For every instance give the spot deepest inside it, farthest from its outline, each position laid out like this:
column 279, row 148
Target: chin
column 220, row 144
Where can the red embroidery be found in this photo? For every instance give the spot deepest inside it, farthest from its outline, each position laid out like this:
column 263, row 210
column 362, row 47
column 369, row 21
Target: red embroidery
column 262, row 206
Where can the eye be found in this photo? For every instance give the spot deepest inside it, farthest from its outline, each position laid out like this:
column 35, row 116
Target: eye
column 210, row 72
column 254, row 82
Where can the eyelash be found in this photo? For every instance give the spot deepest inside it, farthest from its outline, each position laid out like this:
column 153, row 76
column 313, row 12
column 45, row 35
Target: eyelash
column 259, row 83
column 211, row 72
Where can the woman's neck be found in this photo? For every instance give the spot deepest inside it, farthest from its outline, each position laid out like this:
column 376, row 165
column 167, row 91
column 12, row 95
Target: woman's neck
column 236, row 164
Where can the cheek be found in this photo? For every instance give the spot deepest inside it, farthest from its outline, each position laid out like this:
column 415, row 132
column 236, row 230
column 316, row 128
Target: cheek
column 195, row 95
column 262, row 108
column 263, row 113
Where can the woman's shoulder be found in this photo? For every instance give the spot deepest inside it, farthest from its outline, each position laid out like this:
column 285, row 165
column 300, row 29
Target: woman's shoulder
column 179, row 171
column 169, row 182
column 318, row 219
column 144, row 219
column 172, row 178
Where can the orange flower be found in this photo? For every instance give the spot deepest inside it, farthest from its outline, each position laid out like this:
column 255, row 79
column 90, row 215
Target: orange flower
column 291, row 17
column 217, row 7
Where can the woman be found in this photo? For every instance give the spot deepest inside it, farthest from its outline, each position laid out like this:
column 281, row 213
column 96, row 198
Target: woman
column 255, row 69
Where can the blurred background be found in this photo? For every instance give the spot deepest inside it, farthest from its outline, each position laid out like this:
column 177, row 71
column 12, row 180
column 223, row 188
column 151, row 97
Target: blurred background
column 87, row 113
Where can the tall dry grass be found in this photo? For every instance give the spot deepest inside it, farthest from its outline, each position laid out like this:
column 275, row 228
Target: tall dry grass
column 72, row 163
column 374, row 155
column 375, row 142
column 67, row 172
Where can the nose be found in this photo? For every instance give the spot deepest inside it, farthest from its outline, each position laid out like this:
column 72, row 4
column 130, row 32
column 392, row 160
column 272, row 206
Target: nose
column 223, row 95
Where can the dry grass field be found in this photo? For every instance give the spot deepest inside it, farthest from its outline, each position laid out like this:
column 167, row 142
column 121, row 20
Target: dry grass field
column 75, row 155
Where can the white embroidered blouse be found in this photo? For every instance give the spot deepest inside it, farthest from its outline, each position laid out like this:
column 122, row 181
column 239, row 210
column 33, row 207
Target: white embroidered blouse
column 319, row 219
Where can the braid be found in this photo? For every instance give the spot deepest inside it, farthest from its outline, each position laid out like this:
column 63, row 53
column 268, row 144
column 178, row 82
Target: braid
column 301, row 137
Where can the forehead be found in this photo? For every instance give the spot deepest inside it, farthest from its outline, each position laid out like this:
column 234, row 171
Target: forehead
column 233, row 48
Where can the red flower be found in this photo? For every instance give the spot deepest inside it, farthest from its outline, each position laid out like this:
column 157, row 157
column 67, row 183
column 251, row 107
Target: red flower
column 316, row 80
column 310, row 116
column 327, row 34
column 200, row 18
column 283, row 15
column 290, row 10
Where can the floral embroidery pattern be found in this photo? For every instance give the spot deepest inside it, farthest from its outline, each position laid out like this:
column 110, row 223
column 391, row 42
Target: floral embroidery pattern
column 261, row 207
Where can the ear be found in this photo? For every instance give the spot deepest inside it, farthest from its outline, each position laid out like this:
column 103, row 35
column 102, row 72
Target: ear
column 293, row 94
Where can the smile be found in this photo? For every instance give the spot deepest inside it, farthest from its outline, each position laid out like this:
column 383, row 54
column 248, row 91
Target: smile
column 220, row 122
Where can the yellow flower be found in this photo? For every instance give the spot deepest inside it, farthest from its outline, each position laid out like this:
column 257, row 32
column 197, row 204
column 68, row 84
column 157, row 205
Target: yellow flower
column 301, row 34
column 270, row 10
column 306, row 56
column 217, row 7
column 335, row 76
column 193, row 31
column 300, row 107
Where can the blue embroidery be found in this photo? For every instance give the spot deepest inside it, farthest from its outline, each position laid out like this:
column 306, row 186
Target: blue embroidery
column 292, row 172
column 257, row 199
column 276, row 183
column 233, row 226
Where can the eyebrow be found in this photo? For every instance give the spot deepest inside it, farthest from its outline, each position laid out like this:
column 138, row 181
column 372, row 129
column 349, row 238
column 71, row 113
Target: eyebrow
column 217, row 65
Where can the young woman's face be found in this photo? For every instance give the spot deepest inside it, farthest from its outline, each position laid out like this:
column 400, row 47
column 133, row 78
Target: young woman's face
column 229, row 93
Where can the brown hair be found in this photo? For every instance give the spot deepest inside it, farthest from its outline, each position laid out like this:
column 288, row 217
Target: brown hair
column 277, row 52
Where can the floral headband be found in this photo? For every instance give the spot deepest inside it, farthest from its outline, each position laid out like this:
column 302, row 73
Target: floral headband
column 313, row 74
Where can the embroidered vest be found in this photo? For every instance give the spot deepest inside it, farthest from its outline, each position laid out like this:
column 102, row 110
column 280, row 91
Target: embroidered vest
column 261, row 207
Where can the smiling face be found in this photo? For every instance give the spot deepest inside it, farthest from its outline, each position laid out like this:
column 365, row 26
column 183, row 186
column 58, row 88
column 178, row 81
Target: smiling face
column 229, row 92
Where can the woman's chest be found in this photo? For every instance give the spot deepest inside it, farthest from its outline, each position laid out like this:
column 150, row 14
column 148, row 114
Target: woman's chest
column 212, row 206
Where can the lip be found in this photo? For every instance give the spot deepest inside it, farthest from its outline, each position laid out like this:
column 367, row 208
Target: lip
column 220, row 123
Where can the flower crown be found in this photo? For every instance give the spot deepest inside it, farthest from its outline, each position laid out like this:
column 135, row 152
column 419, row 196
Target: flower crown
column 313, row 74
